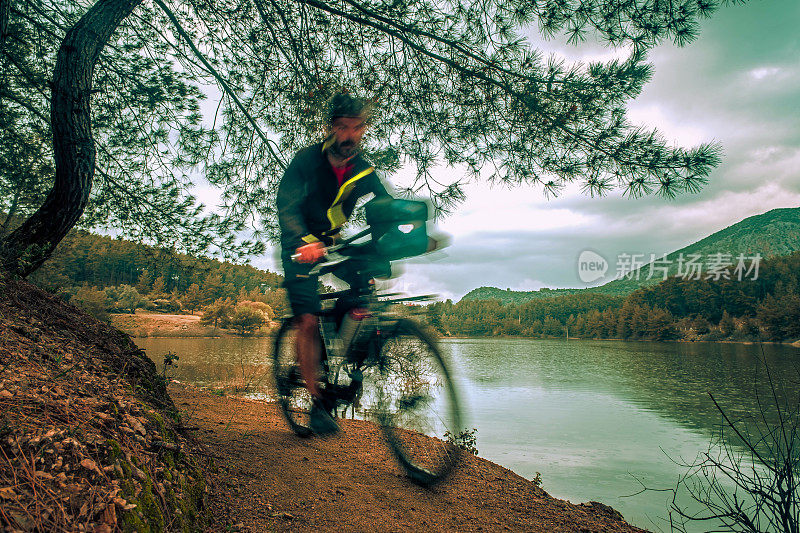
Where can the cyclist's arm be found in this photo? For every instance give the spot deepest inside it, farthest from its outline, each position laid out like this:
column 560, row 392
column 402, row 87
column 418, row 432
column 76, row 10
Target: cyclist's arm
column 291, row 193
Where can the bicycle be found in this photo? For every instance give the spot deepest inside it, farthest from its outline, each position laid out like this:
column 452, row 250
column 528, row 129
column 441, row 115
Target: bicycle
column 390, row 372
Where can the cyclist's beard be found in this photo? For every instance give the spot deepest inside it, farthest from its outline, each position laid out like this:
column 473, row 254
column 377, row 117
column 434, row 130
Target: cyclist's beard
column 344, row 150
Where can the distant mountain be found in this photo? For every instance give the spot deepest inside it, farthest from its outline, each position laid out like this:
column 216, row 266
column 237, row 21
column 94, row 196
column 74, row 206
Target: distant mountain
column 770, row 234
column 508, row 296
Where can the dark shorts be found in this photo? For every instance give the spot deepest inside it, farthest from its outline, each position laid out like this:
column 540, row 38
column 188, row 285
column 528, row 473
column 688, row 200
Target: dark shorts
column 302, row 288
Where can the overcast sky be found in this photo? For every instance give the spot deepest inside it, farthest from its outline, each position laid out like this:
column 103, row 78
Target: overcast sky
column 738, row 83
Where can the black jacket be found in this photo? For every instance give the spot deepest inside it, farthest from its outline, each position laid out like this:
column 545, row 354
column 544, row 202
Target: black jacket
column 311, row 205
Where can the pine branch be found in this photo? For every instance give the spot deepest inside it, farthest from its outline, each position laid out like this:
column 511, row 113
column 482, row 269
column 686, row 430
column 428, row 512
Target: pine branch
column 406, row 29
column 220, row 80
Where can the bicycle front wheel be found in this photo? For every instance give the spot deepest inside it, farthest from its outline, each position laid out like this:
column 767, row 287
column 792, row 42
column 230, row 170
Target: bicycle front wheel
column 416, row 402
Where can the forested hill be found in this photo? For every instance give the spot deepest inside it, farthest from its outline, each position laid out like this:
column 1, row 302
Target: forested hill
column 766, row 307
column 770, row 234
column 101, row 261
column 507, row 296
column 98, row 273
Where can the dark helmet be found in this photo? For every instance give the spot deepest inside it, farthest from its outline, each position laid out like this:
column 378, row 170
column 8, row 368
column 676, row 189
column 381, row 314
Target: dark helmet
column 345, row 105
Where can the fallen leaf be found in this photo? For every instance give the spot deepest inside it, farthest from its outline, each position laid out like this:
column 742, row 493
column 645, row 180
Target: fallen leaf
column 110, row 515
column 120, row 502
column 135, row 424
column 88, row 464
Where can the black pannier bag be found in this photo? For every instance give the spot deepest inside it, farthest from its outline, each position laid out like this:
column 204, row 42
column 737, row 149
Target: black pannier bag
column 398, row 226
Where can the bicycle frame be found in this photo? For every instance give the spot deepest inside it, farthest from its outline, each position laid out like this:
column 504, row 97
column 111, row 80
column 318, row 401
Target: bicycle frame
column 391, row 372
column 379, row 317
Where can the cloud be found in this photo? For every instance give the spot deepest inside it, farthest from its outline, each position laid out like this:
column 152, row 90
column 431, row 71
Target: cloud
column 531, row 259
column 760, row 73
column 528, row 284
column 676, row 129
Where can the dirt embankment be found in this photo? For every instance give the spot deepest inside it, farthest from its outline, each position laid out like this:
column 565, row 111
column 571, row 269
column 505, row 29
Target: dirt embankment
column 88, row 435
column 89, row 441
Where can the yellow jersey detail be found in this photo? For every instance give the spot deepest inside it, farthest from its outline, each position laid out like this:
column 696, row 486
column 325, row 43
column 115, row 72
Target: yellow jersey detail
column 335, row 213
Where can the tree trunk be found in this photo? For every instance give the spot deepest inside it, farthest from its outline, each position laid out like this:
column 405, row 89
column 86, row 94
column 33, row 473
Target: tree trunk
column 25, row 249
column 5, row 9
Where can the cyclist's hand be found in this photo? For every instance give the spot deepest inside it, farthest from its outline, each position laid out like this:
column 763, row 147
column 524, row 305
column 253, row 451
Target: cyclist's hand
column 310, row 253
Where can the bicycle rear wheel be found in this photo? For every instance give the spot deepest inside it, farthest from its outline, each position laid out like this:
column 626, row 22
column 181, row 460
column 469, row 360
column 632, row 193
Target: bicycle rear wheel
column 415, row 402
column 293, row 397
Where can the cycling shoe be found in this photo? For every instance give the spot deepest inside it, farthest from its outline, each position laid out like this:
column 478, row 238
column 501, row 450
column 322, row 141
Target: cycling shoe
column 320, row 420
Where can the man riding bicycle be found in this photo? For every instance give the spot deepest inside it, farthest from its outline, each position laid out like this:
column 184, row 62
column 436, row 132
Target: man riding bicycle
column 316, row 196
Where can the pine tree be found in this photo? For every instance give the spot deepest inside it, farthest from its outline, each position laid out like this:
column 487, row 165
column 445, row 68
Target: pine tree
column 452, row 83
column 218, row 313
column 245, row 319
column 159, row 289
column 93, row 301
column 125, row 298
column 145, row 282
column 660, row 325
column 192, row 298
column 726, row 325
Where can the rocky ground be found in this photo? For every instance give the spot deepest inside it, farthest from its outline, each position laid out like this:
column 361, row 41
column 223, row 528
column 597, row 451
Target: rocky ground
column 91, row 440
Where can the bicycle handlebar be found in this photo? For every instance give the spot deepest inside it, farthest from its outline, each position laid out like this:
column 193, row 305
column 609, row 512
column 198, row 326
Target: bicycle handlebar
column 324, row 266
column 340, row 245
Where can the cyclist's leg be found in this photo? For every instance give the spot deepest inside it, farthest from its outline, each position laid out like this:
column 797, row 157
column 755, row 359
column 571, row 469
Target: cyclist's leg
column 301, row 291
column 308, row 351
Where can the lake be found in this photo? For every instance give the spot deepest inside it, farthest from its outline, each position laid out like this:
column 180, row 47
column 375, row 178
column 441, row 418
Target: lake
column 598, row 419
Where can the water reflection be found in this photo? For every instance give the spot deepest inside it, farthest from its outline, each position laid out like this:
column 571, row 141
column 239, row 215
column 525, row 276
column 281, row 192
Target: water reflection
column 671, row 379
column 232, row 362
column 600, row 420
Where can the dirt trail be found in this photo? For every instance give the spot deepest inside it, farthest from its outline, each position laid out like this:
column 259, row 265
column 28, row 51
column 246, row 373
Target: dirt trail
column 270, row 480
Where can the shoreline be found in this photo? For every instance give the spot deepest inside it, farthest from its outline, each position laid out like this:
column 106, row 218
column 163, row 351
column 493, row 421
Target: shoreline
column 158, row 325
column 795, row 343
column 170, row 326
